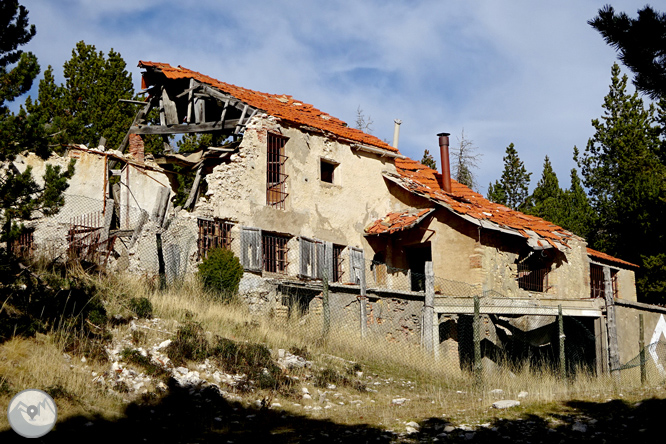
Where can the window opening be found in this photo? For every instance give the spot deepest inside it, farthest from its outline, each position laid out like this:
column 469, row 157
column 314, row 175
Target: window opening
column 214, row 233
column 327, row 170
column 417, row 256
column 276, row 179
column 533, row 272
column 275, row 253
column 597, row 282
column 338, row 263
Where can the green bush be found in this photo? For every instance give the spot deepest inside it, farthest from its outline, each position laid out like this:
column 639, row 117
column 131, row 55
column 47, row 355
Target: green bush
column 221, row 272
column 190, row 344
column 141, row 307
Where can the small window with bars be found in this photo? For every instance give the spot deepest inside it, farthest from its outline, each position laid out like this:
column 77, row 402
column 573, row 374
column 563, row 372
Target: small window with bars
column 213, row 233
column 275, row 252
column 276, row 178
column 598, row 282
column 532, row 279
column 533, row 271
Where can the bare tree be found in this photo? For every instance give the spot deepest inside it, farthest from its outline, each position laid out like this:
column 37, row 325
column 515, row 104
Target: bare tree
column 362, row 122
column 464, row 159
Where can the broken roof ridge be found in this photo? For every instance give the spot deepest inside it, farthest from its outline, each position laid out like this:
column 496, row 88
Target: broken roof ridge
column 303, row 113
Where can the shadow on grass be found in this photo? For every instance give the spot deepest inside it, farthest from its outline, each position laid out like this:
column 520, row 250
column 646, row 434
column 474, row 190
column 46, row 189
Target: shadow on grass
column 589, row 422
column 203, row 416
column 187, row 416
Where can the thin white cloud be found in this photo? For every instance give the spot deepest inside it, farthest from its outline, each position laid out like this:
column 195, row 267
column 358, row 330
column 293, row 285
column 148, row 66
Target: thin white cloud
column 527, row 72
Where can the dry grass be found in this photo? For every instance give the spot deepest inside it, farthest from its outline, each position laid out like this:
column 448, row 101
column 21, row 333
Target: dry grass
column 433, row 389
column 434, row 386
column 39, row 363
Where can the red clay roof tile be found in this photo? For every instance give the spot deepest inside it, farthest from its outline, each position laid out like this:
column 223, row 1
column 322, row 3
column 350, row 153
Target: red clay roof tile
column 607, row 257
column 464, row 201
column 398, row 221
column 282, row 106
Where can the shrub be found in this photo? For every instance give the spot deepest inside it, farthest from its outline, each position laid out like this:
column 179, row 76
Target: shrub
column 141, row 307
column 221, row 272
column 190, row 343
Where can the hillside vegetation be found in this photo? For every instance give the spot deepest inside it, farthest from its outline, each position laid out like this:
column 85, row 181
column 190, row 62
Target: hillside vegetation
column 179, row 365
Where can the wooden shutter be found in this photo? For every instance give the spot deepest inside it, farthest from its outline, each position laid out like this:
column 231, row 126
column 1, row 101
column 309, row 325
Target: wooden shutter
column 307, row 257
column 356, row 262
column 325, row 260
column 251, row 251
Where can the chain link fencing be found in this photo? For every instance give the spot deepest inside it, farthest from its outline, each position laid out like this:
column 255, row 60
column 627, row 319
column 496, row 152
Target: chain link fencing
column 419, row 321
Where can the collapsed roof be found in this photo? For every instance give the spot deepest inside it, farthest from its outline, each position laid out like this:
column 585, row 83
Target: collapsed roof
column 248, row 102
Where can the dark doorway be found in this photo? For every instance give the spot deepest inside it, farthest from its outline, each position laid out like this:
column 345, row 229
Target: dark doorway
column 417, row 256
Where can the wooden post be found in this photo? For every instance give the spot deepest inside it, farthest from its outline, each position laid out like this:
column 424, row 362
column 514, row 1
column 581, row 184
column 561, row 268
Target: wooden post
column 326, row 307
column 476, row 334
column 613, row 352
column 641, row 347
column 160, row 261
column 363, row 300
column 560, row 334
column 428, row 336
column 195, row 187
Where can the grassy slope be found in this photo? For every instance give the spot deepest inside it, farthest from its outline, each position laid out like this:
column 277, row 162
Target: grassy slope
column 436, row 395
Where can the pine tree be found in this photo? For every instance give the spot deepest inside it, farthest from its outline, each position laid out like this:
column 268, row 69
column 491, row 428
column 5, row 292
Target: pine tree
column 189, row 143
column 546, row 200
column 428, row 160
column 577, row 215
column 496, row 193
column 20, row 196
column 641, row 45
column 624, row 174
column 86, row 107
column 512, row 189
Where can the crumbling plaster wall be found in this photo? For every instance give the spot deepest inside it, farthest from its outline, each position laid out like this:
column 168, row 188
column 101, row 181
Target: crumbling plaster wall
column 626, row 285
column 141, row 190
column 83, row 196
column 395, row 319
column 335, row 212
column 568, row 278
column 628, row 331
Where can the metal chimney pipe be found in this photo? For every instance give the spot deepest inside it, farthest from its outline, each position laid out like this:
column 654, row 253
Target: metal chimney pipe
column 444, row 156
column 396, row 132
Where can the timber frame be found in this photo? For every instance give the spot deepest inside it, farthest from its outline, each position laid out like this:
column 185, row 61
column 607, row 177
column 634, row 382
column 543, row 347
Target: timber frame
column 188, row 106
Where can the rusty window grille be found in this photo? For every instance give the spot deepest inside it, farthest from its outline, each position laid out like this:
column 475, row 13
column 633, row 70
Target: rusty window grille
column 276, row 179
column 24, row 245
column 85, row 239
column 338, row 263
column 597, row 285
column 532, row 279
column 275, row 253
column 214, row 233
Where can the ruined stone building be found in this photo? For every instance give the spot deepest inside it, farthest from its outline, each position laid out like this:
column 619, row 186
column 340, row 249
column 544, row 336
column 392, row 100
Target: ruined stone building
column 299, row 196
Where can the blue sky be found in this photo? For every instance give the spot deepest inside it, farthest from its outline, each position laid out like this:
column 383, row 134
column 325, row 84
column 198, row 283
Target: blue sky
column 531, row 73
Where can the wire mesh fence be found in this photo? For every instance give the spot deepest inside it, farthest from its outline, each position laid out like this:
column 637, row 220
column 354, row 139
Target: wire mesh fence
column 454, row 328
